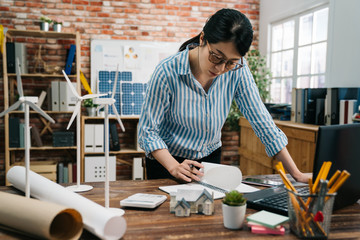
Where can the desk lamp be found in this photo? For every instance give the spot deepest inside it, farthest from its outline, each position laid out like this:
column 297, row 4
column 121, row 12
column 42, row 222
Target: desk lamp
column 28, row 101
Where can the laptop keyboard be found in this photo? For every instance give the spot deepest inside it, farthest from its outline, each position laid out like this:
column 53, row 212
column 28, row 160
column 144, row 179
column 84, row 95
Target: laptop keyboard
column 278, row 202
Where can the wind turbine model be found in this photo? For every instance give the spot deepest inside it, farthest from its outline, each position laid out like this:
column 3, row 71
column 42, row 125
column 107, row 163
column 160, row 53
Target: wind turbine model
column 28, row 101
column 104, row 103
column 76, row 113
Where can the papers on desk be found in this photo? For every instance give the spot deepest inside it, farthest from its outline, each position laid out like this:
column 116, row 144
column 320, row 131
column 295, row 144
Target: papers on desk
column 217, row 179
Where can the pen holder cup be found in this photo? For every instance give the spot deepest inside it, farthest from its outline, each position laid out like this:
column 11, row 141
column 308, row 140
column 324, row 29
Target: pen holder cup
column 310, row 214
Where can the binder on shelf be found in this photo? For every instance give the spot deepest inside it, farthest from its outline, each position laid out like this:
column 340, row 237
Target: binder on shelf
column 22, row 135
column 311, row 94
column 347, row 110
column 320, row 111
column 137, row 170
column 99, row 137
column 74, row 167
column 331, row 106
column 66, row 98
column 55, row 106
column 70, row 59
column 66, row 174
column 300, row 106
column 293, row 105
column 60, row 172
column 70, row 171
column 115, row 146
column 21, row 54
column 49, row 98
column 10, row 57
column 89, row 138
column 14, row 132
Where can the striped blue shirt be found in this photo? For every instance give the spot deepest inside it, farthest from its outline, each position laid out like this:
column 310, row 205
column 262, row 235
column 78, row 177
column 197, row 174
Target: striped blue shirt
column 180, row 116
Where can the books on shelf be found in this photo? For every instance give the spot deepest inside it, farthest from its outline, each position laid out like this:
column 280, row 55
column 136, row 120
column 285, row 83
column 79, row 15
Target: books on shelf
column 66, row 172
column 347, row 109
column 325, row 106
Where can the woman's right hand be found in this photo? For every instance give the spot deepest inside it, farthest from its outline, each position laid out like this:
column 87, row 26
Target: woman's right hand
column 188, row 171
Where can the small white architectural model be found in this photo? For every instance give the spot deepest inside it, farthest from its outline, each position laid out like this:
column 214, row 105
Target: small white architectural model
column 186, row 201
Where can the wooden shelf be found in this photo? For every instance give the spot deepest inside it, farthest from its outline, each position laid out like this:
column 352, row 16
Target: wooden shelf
column 112, row 117
column 124, row 151
column 33, row 112
column 40, row 75
column 40, row 34
column 44, row 148
column 14, row 35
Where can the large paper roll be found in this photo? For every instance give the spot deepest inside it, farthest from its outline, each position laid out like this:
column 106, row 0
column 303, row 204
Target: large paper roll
column 97, row 219
column 38, row 218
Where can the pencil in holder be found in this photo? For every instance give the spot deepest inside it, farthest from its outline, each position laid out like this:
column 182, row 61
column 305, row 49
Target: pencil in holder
column 310, row 214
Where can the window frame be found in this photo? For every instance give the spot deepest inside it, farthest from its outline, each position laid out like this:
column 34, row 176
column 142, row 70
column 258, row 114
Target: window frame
column 295, row 76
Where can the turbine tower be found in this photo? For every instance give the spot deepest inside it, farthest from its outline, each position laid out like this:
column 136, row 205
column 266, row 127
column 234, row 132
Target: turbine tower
column 29, row 102
column 76, row 113
column 105, row 103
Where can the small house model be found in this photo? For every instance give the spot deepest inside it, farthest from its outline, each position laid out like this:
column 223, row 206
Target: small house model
column 185, row 201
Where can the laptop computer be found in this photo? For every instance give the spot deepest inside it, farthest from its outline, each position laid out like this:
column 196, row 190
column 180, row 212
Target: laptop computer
column 339, row 144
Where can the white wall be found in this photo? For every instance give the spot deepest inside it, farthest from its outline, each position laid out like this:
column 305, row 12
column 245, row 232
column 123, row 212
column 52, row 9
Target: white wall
column 343, row 63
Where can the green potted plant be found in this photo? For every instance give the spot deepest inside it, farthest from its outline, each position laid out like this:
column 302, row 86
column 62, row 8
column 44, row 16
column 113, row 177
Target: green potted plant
column 57, row 24
column 90, row 107
column 234, row 209
column 45, row 23
column 262, row 76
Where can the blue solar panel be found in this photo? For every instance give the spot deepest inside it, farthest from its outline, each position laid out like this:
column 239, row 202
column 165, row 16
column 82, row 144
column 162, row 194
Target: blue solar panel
column 131, row 97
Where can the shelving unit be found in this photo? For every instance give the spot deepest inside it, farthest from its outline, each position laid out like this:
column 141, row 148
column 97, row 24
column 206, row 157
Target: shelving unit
column 131, row 150
column 9, row 91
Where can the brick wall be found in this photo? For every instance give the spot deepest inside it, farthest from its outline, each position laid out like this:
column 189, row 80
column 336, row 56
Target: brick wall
column 145, row 20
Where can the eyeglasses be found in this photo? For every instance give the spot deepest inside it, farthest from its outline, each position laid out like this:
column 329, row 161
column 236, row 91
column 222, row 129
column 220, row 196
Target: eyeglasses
column 229, row 65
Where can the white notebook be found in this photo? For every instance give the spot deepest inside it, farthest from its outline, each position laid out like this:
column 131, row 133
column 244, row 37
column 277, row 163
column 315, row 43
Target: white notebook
column 217, row 179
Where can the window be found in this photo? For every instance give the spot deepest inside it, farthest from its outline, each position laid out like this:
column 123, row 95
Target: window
column 298, row 53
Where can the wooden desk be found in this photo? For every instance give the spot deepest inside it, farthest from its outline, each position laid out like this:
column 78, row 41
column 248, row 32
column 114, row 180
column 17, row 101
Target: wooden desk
column 160, row 224
column 302, row 144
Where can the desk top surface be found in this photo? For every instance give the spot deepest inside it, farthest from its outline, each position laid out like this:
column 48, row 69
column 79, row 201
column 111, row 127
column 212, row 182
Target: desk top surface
column 161, row 224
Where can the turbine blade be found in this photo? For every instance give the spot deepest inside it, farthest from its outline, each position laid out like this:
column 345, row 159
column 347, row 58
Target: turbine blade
column 18, row 78
column 75, row 113
column 115, row 81
column 11, row 108
column 87, row 96
column 71, row 86
column 118, row 117
column 39, row 110
column 100, row 107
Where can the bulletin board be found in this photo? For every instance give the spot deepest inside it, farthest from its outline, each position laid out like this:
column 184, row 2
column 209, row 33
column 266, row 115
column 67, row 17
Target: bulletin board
column 138, row 57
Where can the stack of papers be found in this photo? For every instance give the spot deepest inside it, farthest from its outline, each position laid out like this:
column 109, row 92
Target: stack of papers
column 265, row 222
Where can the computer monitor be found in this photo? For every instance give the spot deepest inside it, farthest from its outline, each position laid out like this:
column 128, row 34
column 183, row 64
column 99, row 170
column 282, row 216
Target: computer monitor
column 340, row 144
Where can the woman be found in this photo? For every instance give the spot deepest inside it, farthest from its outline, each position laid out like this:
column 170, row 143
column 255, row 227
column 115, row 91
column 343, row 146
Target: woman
column 189, row 97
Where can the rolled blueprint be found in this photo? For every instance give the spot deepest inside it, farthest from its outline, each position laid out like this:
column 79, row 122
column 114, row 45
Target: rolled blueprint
column 97, row 219
column 37, row 218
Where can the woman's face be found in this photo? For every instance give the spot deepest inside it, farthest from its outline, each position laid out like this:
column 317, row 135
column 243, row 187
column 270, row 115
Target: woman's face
column 223, row 52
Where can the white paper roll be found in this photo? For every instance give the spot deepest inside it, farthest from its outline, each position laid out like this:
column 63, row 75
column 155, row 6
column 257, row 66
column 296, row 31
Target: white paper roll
column 97, row 219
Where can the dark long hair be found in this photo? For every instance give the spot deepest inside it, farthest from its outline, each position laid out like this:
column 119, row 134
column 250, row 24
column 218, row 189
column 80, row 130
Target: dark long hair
column 226, row 25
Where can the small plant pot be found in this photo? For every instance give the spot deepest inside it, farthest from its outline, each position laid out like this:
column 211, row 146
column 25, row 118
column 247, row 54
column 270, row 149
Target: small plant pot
column 233, row 216
column 91, row 111
column 57, row 27
column 44, row 26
